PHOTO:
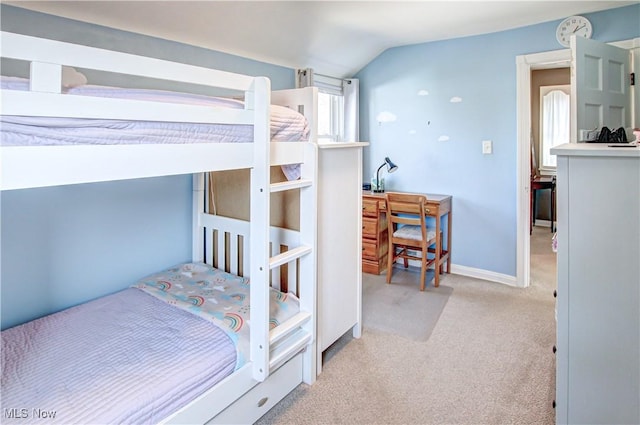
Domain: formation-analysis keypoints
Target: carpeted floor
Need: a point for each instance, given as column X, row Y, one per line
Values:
column 489, row 360
column 400, row 308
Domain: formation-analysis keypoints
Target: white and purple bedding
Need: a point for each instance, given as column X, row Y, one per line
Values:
column 218, row 297
column 286, row 124
column 130, row 357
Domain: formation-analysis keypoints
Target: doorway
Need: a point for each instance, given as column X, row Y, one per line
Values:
column 550, row 126
column 526, row 65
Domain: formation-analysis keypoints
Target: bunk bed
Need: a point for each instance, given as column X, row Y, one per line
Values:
column 277, row 358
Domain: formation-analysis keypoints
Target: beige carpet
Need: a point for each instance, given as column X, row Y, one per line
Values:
column 489, row 360
column 401, row 308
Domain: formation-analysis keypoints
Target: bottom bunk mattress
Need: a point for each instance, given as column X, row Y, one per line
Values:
column 135, row 356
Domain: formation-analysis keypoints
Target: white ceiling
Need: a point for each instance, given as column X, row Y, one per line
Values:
column 336, row 38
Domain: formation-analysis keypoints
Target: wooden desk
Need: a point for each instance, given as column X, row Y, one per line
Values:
column 375, row 243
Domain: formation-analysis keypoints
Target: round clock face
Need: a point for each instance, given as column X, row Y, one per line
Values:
column 578, row 25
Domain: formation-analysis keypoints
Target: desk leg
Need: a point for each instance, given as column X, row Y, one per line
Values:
column 449, row 219
column 438, row 267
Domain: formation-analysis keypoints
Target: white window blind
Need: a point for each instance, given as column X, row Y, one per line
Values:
column 338, row 105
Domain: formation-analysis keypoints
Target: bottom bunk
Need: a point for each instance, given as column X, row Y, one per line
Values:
column 172, row 348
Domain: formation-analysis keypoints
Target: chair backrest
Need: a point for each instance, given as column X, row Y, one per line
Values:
column 406, row 208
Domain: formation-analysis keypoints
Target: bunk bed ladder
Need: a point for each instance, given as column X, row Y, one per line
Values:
column 299, row 331
column 259, row 99
column 270, row 349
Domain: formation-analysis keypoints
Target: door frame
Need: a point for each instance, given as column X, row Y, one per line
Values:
column 524, row 65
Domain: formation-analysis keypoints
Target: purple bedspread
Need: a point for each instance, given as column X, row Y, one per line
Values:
column 124, row 358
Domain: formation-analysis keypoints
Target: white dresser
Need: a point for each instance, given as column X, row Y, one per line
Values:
column 598, row 296
column 339, row 242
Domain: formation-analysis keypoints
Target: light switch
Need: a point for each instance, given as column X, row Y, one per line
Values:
column 487, row 147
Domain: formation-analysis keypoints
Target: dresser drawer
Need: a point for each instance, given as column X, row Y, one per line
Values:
column 374, row 267
column 369, row 249
column 369, row 207
column 369, row 227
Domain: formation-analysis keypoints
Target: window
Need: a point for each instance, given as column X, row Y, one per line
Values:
column 337, row 105
column 554, row 122
column 330, row 117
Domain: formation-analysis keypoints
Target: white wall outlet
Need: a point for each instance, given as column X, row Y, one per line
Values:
column 487, row 147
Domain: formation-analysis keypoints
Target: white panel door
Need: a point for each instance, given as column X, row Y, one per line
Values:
column 600, row 86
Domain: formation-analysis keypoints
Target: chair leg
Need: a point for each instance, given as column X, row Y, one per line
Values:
column 437, row 269
column 441, row 249
column 437, row 265
column 423, row 270
column 390, row 259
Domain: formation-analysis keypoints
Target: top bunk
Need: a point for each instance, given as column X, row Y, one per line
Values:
column 55, row 133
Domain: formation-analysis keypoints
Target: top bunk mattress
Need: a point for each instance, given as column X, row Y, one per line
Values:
column 286, row 124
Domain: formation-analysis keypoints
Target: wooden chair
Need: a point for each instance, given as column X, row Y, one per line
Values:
column 408, row 231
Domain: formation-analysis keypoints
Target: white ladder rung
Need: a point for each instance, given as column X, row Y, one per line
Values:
column 284, row 329
column 285, row 257
column 283, row 352
column 288, row 185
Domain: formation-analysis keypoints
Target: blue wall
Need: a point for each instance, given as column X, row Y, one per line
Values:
column 437, row 143
column 65, row 245
column 68, row 244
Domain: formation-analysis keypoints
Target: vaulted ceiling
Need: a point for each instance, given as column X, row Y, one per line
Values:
column 336, row 38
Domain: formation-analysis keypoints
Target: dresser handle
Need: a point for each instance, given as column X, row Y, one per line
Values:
column 427, row 211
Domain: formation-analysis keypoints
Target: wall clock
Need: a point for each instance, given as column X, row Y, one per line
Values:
column 578, row 25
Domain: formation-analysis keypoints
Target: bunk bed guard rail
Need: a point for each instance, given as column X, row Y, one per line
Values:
column 27, row 168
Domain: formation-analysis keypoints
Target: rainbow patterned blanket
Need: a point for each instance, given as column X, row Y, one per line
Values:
column 219, row 297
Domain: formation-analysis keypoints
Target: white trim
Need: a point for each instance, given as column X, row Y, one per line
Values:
column 542, row 223
column 484, row 275
column 473, row 272
column 627, row 44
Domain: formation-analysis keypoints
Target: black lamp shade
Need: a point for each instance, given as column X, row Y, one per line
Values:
column 391, row 167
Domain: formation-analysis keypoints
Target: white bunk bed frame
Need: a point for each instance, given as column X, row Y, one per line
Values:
column 280, row 359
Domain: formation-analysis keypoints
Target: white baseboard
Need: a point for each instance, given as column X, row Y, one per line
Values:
column 543, row 223
column 484, row 275
column 476, row 273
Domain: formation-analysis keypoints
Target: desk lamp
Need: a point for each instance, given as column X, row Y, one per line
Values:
column 391, row 167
